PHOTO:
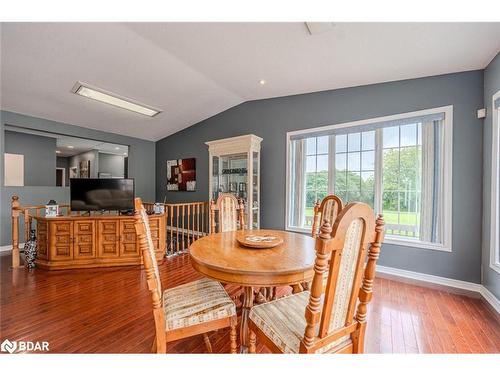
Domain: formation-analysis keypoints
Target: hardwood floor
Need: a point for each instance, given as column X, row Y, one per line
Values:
column 109, row 311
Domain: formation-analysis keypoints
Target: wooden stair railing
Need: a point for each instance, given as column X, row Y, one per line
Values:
column 186, row 222
column 27, row 212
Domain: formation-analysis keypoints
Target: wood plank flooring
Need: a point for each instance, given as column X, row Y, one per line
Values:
column 109, row 311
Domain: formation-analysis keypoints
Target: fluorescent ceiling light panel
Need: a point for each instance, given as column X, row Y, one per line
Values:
column 109, row 98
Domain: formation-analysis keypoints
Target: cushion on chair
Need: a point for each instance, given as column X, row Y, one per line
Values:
column 284, row 323
column 196, row 302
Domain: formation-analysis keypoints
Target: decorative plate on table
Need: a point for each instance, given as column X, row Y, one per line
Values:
column 259, row 241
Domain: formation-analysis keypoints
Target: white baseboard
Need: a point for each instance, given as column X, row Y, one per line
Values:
column 8, row 248
column 458, row 284
column 490, row 298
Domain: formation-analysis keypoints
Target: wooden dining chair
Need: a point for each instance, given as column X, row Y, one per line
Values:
column 230, row 213
column 333, row 321
column 187, row 310
column 327, row 209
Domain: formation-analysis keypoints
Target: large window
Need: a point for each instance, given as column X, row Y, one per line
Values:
column 400, row 165
column 495, row 186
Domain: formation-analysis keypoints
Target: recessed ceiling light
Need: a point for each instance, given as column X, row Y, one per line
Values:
column 58, row 152
column 71, row 146
column 124, row 153
column 117, row 148
column 113, row 99
column 262, row 82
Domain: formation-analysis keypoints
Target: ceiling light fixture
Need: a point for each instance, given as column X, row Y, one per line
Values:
column 262, row 82
column 117, row 148
column 71, row 146
column 107, row 97
column 58, row 152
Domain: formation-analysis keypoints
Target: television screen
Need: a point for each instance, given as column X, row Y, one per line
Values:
column 97, row 194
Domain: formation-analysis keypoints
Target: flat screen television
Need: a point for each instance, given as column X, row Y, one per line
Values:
column 102, row 194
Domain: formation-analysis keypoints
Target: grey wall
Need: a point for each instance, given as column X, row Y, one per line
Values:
column 272, row 118
column 141, row 162
column 113, row 164
column 91, row 155
column 39, row 157
column 491, row 279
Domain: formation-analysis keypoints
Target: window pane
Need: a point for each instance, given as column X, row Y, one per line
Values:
column 322, row 145
column 310, row 199
column 354, row 142
column 341, row 162
column 368, row 198
column 368, row 160
column 390, row 206
column 367, row 181
column 311, row 164
column 391, row 137
column 353, row 161
column 322, row 181
column 408, row 157
column 340, row 182
column 407, row 179
column 311, row 181
column 321, row 195
column 342, row 194
column 390, row 170
column 368, row 140
column 341, row 143
column 409, row 135
column 322, row 163
column 353, row 196
column 353, row 181
column 311, row 146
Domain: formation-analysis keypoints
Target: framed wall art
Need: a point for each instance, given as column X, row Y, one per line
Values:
column 181, row 175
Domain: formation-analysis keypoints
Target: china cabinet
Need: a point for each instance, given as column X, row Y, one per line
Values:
column 234, row 167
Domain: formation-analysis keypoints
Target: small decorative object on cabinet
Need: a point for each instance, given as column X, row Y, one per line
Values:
column 234, row 166
column 159, row 208
column 30, row 250
column 51, row 209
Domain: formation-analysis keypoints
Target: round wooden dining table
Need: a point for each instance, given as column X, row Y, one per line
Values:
column 220, row 257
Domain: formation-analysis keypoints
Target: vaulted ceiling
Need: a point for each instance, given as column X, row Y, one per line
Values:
column 192, row 71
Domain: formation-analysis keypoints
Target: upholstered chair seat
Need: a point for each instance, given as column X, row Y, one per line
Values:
column 197, row 302
column 283, row 322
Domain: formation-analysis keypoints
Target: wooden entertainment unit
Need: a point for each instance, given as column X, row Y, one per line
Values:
column 77, row 241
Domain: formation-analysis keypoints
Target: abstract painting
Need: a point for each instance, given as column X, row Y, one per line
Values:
column 181, row 175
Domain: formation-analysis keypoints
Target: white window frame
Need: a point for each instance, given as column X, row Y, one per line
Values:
column 447, row 177
column 495, row 186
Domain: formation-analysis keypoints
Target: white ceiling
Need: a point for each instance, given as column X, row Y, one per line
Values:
column 195, row 70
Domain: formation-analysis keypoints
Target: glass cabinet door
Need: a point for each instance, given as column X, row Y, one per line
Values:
column 230, row 175
column 255, row 191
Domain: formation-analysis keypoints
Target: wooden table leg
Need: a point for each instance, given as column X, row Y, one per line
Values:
column 248, row 298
